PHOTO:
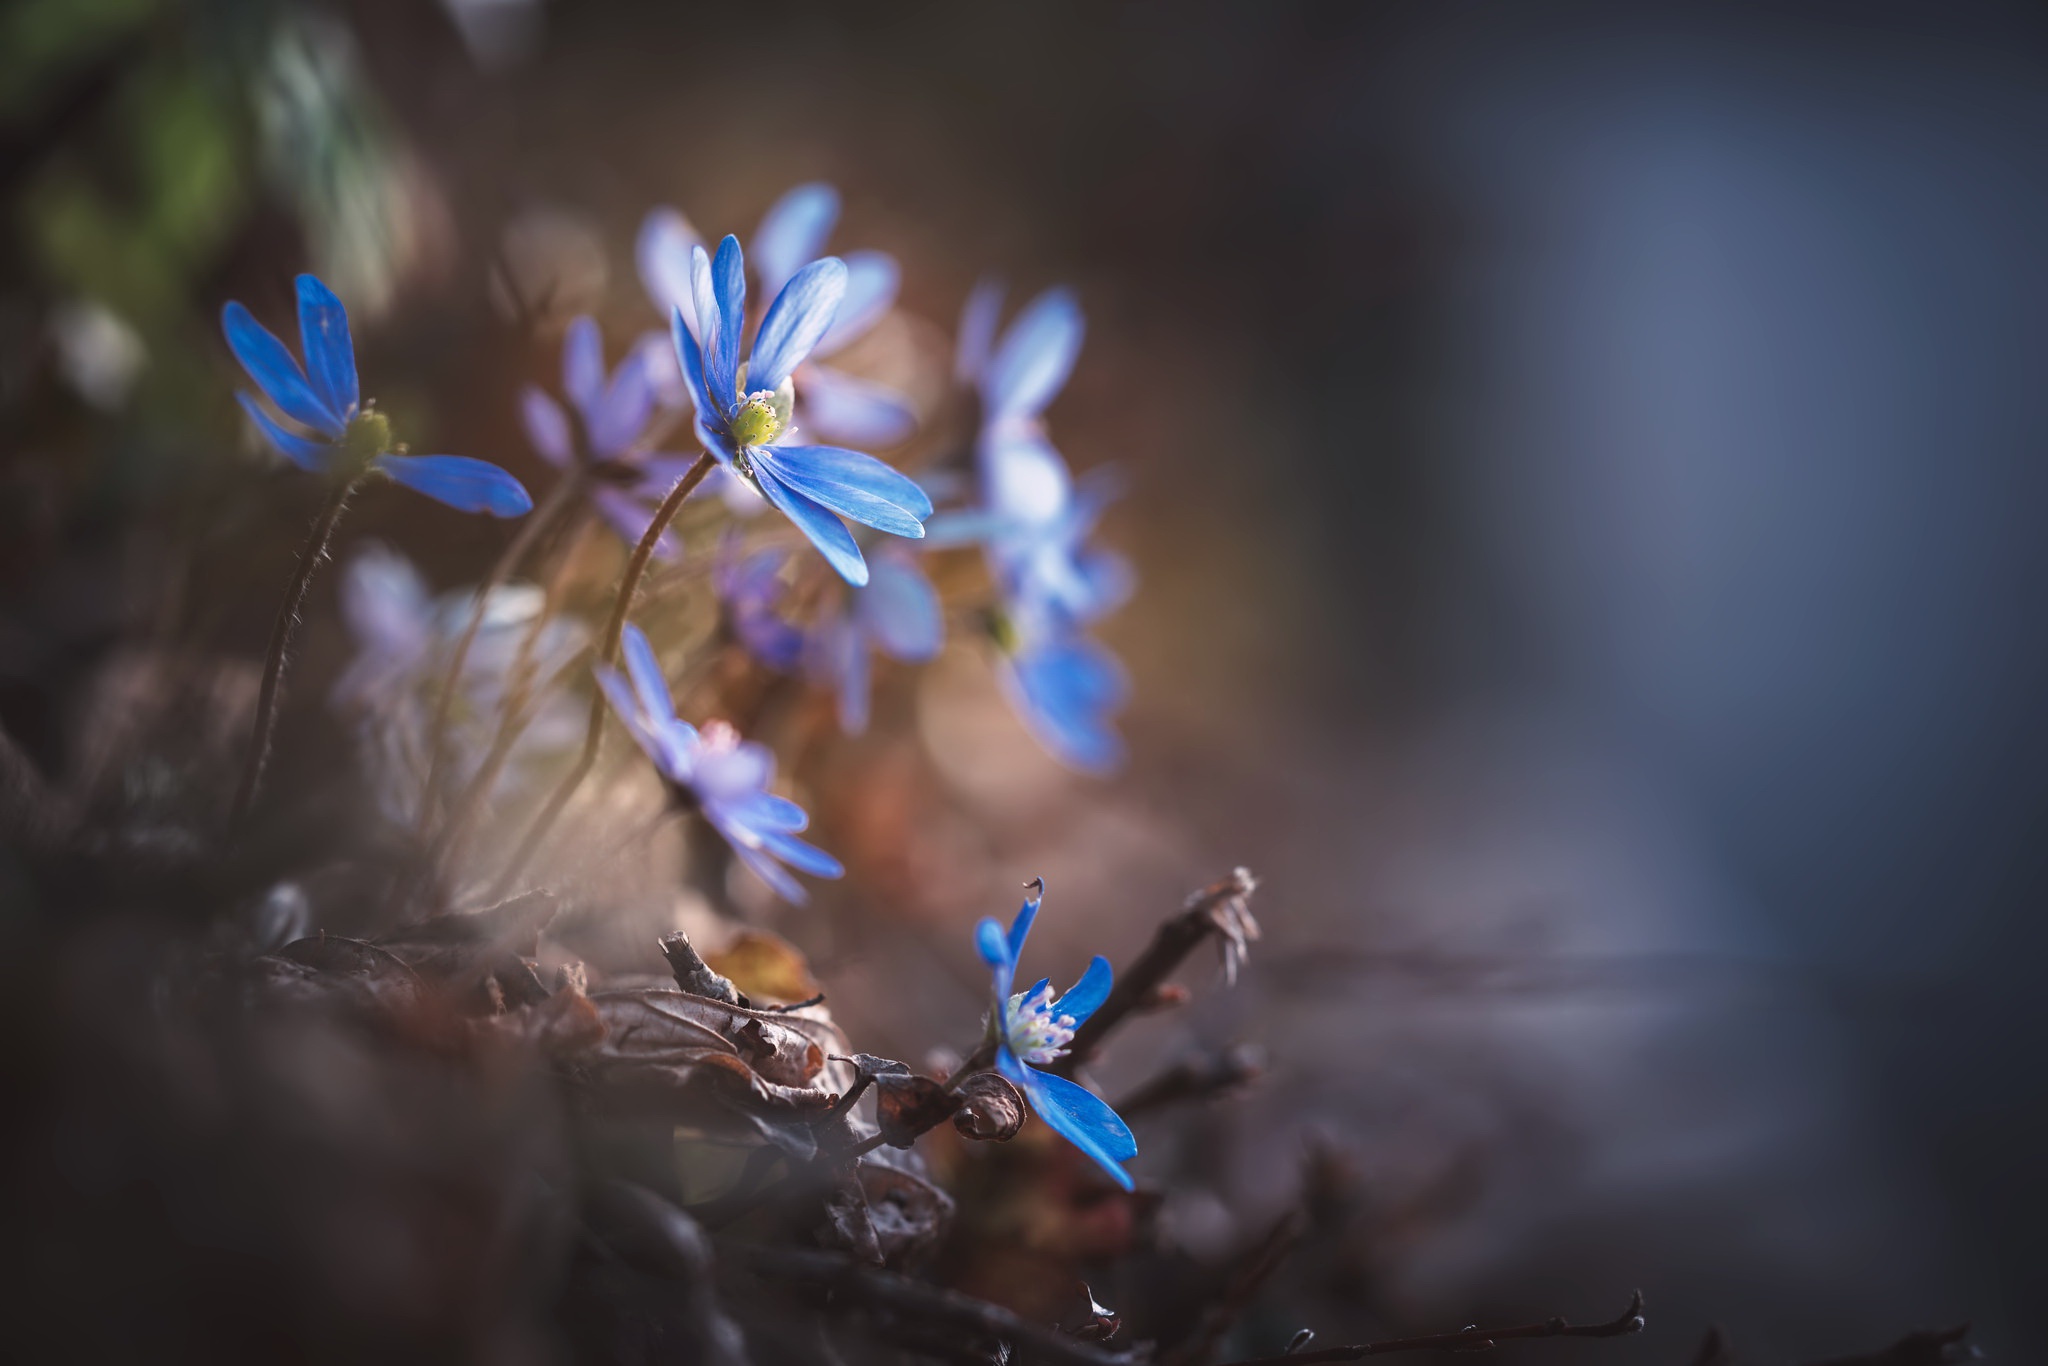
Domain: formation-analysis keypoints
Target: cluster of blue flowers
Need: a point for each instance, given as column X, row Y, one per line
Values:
column 756, row 390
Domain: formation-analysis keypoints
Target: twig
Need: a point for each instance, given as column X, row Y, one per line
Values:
column 1216, row 910
column 281, row 630
column 614, row 631
column 1257, row 1268
column 1469, row 1340
column 920, row 1302
column 1927, row 1347
column 1197, row 1078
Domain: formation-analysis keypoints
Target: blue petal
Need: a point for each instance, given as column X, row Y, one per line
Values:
column 795, row 321
column 1020, row 928
column 1064, row 691
column 792, row 234
column 1078, row 1115
column 801, row 855
column 275, row 372
column 766, row 811
column 1086, row 996
column 626, row 705
column 645, row 671
column 330, row 355
column 720, row 385
column 1035, row 357
column 729, row 289
column 462, row 483
column 547, row 426
column 307, row 455
column 844, row 408
column 663, row 254
column 621, row 412
column 692, row 360
column 977, row 331
column 853, row 470
column 845, row 666
column 583, row 364
column 786, row 464
column 993, row 944
column 900, row 609
column 820, row 527
column 760, row 862
column 872, row 279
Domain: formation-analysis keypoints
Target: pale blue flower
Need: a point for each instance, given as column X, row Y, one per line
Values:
column 349, row 437
column 714, row 770
column 1031, row 1029
column 613, row 415
column 742, row 410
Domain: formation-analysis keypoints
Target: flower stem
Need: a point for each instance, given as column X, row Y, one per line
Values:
column 281, row 631
column 615, row 629
column 530, row 531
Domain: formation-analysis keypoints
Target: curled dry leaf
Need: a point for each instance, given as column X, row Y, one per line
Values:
column 909, row 1214
column 354, row 972
column 460, row 947
column 992, row 1110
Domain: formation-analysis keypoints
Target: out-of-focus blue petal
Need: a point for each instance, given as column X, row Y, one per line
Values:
column 330, row 354
column 1035, row 357
column 801, row 854
column 664, row 370
column 795, row 321
column 729, row 289
column 766, row 811
column 1065, row 691
column 1086, row 996
column 1020, row 928
column 855, row 470
column 710, row 326
column 663, row 254
column 844, row 408
column 762, row 864
column 691, row 359
column 626, row 705
column 1023, row 477
column 820, row 527
column 1078, row 1115
column 994, row 945
column 275, row 372
column 649, row 686
column 977, row 331
column 837, row 655
column 872, row 279
column 900, row 609
column 848, row 500
column 583, row 364
column 462, row 483
column 307, row 455
column 621, row 412
column 547, row 426
column 963, row 526
column 385, row 602
column 791, row 235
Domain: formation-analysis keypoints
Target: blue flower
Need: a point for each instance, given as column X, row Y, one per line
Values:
column 349, row 437
column 840, row 406
column 1030, row 1027
column 1033, row 522
column 613, row 416
column 743, row 409
column 720, row 774
column 896, row 613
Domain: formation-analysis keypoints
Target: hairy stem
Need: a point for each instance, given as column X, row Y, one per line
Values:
column 629, row 583
column 516, row 549
column 281, row 632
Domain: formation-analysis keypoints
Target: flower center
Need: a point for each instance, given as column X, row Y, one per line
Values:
column 1034, row 1033
column 763, row 415
column 718, row 737
column 367, row 437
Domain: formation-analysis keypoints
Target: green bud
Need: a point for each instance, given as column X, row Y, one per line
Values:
column 368, row 436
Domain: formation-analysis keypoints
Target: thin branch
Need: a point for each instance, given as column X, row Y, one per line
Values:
column 1217, row 911
column 1257, row 1268
column 281, row 631
column 922, row 1303
column 1469, row 1340
column 593, row 736
column 1197, row 1078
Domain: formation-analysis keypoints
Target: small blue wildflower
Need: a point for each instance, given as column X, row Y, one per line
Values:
column 896, row 613
column 743, row 409
column 1030, row 1027
column 350, row 436
column 720, row 774
column 751, row 588
column 838, row 405
column 614, row 415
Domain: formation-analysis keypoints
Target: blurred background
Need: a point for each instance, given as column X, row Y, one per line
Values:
column 1585, row 473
